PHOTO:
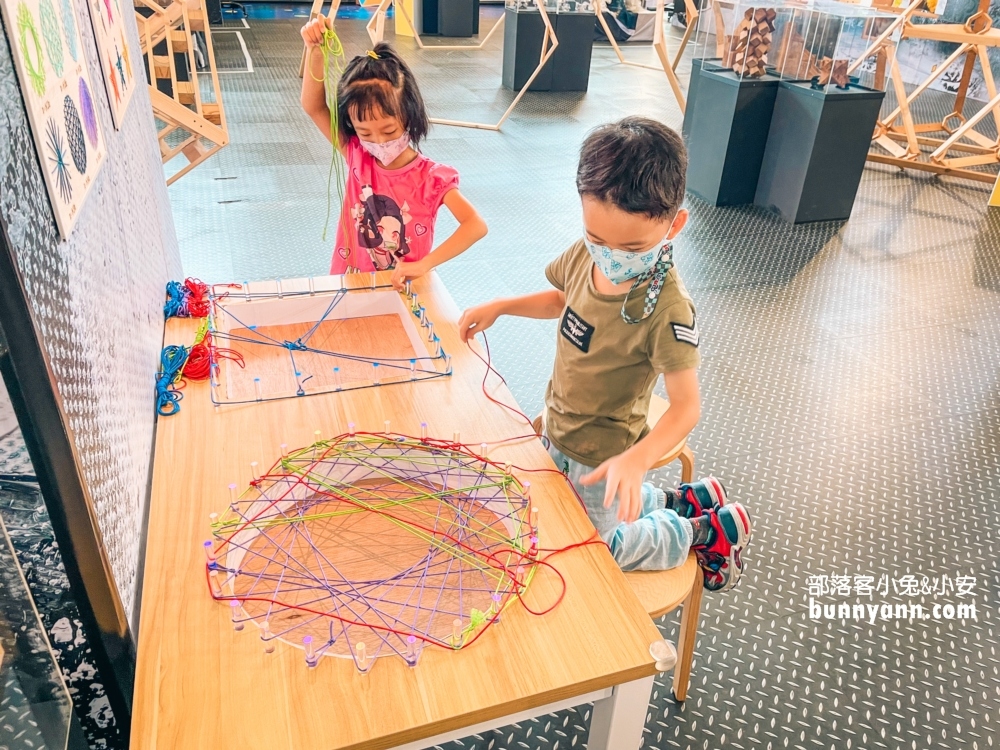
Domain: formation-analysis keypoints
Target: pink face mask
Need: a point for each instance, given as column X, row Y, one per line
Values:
column 389, row 151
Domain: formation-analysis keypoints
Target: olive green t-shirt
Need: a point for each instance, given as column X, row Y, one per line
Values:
column 605, row 368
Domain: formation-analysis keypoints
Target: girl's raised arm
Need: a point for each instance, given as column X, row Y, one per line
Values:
column 313, row 97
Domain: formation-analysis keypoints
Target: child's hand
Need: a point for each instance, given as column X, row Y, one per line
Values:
column 312, row 32
column 477, row 319
column 624, row 474
column 407, row 272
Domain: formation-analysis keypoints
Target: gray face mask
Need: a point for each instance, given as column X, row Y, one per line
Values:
column 389, row 151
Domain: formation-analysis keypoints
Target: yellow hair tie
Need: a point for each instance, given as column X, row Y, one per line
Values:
column 372, row 55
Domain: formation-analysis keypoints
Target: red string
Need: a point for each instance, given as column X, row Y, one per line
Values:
column 197, row 302
column 199, row 361
column 524, row 559
column 489, row 368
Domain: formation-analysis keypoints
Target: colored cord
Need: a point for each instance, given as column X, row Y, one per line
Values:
column 168, row 394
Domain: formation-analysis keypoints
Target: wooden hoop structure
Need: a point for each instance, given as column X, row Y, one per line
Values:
column 952, row 145
column 193, row 128
column 376, row 30
column 659, row 45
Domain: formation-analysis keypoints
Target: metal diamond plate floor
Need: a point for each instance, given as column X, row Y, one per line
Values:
column 850, row 385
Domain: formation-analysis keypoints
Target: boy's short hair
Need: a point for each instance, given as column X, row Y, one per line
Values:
column 636, row 164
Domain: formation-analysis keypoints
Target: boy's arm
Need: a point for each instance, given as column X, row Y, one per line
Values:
column 471, row 229
column 625, row 472
column 547, row 304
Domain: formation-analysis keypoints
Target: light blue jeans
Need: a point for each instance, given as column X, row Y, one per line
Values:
column 658, row 540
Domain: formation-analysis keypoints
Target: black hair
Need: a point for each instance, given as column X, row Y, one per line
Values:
column 636, row 164
column 380, row 84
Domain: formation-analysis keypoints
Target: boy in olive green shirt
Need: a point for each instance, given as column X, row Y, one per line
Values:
column 624, row 319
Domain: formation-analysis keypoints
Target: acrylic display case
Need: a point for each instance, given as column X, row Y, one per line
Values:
column 823, row 118
column 35, row 706
column 791, row 39
column 739, row 35
column 730, row 99
column 821, row 42
column 569, row 68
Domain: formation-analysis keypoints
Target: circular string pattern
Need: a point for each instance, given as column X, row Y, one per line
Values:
column 58, row 160
column 52, row 36
column 87, row 111
column 34, row 62
column 74, row 134
column 69, row 27
column 383, row 541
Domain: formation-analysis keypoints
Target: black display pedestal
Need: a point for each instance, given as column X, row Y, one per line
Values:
column 450, row 17
column 697, row 65
column 816, row 151
column 726, row 125
column 569, row 68
column 213, row 9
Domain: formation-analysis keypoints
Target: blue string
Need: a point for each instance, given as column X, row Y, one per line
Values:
column 176, row 305
column 172, row 360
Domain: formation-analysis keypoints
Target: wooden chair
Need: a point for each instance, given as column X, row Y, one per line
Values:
column 662, row 591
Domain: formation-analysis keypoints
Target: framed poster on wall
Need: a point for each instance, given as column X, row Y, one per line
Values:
column 58, row 94
column 116, row 60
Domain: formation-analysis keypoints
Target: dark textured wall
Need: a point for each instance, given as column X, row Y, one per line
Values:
column 97, row 296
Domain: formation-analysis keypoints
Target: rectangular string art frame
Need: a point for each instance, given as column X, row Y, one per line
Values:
column 283, row 339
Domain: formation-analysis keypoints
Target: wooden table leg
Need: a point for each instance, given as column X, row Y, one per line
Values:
column 618, row 720
column 685, row 641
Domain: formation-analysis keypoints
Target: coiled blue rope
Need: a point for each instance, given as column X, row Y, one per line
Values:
column 176, row 305
column 172, row 360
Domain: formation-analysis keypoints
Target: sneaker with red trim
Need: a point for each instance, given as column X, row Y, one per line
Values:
column 691, row 500
column 721, row 559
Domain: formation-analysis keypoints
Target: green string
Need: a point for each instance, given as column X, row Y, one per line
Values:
column 333, row 66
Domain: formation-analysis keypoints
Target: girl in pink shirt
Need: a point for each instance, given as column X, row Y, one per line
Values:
column 393, row 191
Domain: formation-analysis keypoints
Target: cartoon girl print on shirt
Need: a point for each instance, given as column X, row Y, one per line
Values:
column 381, row 225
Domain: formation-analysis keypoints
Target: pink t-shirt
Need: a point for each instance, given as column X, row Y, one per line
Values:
column 388, row 213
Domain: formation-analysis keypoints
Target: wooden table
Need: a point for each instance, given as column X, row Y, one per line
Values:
column 200, row 684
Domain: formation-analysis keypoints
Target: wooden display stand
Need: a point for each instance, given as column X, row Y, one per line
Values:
column 952, row 145
column 193, row 128
column 659, row 44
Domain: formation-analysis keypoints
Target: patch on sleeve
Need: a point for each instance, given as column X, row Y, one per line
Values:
column 687, row 334
column 576, row 330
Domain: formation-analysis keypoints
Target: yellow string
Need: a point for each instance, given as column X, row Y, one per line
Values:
column 333, row 66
